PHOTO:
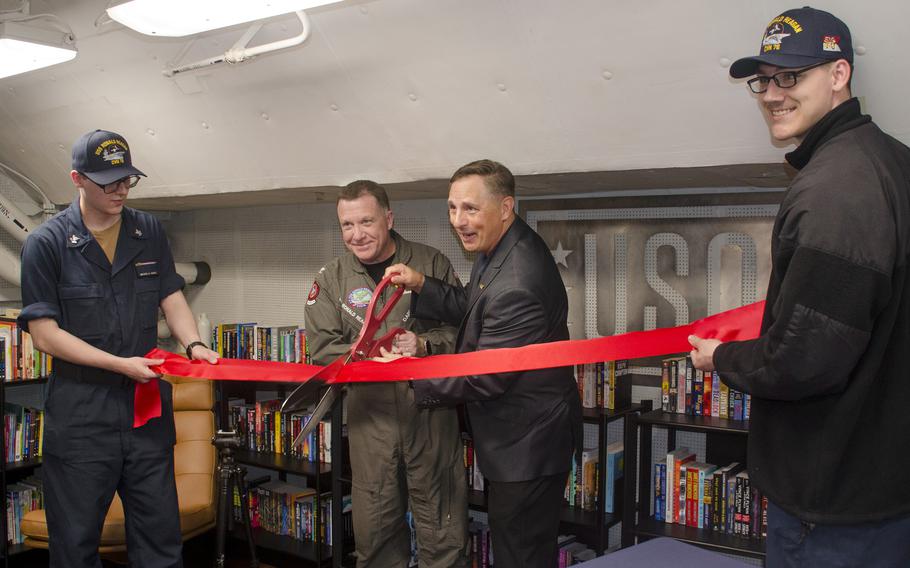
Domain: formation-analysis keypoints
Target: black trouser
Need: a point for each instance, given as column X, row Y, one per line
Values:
column 524, row 521
column 91, row 450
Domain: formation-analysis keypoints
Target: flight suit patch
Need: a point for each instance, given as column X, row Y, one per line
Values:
column 314, row 293
column 360, row 298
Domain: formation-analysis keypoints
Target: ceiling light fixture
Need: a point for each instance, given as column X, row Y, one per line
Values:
column 25, row 47
column 178, row 18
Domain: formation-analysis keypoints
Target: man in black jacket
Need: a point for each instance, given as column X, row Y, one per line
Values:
column 526, row 424
column 828, row 374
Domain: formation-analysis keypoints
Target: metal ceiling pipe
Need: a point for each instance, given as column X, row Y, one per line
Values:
column 14, row 221
column 194, row 272
column 240, row 52
column 46, row 204
column 198, row 273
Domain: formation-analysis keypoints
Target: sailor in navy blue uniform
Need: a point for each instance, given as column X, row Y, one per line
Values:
column 93, row 278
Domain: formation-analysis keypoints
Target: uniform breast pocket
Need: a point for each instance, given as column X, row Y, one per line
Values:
column 147, row 302
column 82, row 309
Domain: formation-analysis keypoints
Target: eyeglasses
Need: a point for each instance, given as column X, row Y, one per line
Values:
column 784, row 79
column 129, row 181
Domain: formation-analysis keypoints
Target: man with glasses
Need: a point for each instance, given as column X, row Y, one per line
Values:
column 93, row 278
column 828, row 374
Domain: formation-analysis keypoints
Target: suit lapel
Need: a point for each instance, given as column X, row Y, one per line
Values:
column 500, row 255
column 473, row 288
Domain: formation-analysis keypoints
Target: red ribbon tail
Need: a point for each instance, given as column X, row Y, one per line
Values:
column 146, row 402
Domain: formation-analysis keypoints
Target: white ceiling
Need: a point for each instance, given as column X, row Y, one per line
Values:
column 407, row 90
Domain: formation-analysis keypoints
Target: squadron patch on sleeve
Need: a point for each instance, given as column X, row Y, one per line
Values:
column 314, row 293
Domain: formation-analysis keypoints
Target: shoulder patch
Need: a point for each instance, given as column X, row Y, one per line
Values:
column 314, row 293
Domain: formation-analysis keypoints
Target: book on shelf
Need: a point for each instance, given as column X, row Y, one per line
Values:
column 722, row 495
column 467, row 447
column 675, row 461
column 715, row 394
column 572, row 551
column 481, row 547
column 582, row 484
column 21, row 497
column 589, row 475
column 23, row 432
column 704, row 496
column 412, row 560
column 478, row 481
column 660, row 491
column 696, row 474
column 573, row 484
column 20, row 359
column 281, row 343
column 750, row 509
column 262, row 427
column 278, row 501
column 613, row 471
column 295, row 511
column 600, row 385
column 473, row 475
column 686, row 390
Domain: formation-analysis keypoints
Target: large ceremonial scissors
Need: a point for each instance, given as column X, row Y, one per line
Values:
column 365, row 347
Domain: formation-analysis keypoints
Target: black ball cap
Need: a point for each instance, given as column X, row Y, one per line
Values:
column 799, row 38
column 103, row 157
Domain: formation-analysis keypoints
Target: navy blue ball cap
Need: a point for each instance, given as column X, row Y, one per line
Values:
column 798, row 38
column 103, row 157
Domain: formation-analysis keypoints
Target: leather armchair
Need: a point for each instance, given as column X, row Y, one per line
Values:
column 194, row 466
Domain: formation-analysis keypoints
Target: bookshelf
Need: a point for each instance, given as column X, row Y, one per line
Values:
column 285, row 343
column 591, row 527
column 20, row 468
column 725, row 443
column 321, row 477
column 275, row 548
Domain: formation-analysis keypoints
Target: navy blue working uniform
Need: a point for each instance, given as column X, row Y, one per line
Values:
column 91, row 449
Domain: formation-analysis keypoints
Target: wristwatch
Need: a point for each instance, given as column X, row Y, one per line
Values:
column 189, row 348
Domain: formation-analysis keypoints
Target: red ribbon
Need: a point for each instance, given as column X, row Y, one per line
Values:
column 733, row 325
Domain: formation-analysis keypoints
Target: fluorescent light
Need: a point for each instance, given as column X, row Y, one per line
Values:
column 176, row 18
column 25, row 47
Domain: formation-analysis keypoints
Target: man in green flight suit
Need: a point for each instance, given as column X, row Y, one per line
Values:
column 398, row 451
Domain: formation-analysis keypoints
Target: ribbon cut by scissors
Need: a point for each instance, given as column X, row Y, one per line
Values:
column 365, row 347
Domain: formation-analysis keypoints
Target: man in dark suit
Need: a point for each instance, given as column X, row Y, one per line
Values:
column 526, row 424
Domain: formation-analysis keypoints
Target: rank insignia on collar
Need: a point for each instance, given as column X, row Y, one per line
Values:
column 74, row 239
column 138, row 233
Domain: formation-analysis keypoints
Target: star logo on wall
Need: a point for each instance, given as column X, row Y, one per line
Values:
column 560, row 254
